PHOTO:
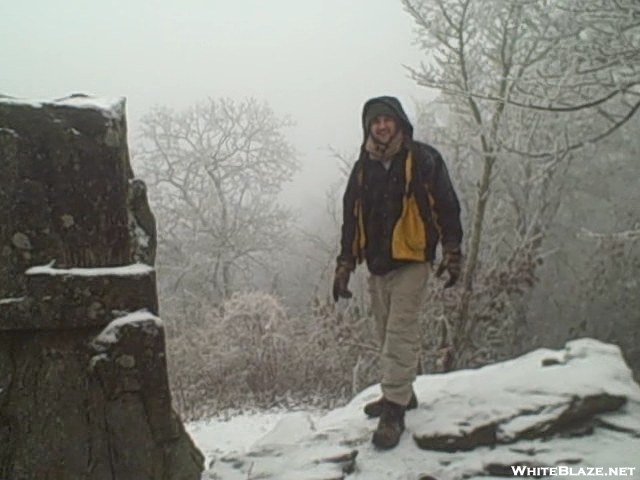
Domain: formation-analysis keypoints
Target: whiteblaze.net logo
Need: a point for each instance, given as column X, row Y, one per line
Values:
column 567, row 471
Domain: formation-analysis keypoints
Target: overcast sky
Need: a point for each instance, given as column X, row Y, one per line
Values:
column 314, row 60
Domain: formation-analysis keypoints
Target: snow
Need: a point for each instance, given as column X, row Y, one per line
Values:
column 111, row 332
column 134, row 269
column 10, row 300
column 304, row 445
column 9, row 131
column 524, row 385
column 113, row 108
column 141, row 235
column 101, row 357
column 235, row 434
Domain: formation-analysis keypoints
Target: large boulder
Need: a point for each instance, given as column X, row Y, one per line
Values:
column 83, row 376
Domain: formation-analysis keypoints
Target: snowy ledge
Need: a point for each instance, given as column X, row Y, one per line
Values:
column 113, row 108
column 514, row 399
column 111, row 332
column 11, row 300
column 134, row 269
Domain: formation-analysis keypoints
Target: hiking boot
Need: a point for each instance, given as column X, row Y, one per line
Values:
column 374, row 409
column 390, row 425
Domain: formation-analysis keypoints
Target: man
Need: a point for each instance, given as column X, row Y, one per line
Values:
column 398, row 204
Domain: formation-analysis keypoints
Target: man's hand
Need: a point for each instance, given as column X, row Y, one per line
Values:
column 341, row 282
column 452, row 263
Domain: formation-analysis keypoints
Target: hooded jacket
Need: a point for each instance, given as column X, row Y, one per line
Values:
column 395, row 216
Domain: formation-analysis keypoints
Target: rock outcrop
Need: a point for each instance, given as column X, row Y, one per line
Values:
column 84, row 392
column 575, row 407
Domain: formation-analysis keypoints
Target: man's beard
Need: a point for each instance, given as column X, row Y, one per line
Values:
column 384, row 150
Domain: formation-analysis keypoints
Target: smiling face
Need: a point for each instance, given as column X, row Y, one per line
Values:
column 383, row 128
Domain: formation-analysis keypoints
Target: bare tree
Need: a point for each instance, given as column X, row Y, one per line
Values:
column 529, row 82
column 215, row 171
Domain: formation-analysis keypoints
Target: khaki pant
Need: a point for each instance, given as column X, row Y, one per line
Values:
column 396, row 299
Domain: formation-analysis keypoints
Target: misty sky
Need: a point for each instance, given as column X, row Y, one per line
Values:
column 314, row 60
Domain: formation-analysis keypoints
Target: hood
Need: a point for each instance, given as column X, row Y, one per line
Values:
column 396, row 106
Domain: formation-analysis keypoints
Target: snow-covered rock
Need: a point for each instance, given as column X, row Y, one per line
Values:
column 574, row 407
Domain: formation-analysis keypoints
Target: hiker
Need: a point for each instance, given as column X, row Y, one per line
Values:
column 399, row 202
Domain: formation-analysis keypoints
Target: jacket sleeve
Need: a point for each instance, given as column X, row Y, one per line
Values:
column 348, row 231
column 444, row 202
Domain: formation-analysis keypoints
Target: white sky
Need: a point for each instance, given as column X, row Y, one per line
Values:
column 314, row 60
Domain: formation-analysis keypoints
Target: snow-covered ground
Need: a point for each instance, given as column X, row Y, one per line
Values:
column 236, row 433
column 532, row 391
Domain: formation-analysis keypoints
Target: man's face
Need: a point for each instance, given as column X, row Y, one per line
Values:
column 383, row 128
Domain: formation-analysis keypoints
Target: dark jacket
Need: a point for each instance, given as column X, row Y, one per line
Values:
column 392, row 217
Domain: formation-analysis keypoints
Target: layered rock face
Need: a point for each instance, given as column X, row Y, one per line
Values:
column 84, row 392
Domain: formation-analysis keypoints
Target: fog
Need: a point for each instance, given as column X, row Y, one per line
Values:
column 315, row 61
column 538, row 129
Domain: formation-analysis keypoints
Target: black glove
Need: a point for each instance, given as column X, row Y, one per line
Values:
column 452, row 263
column 341, row 281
